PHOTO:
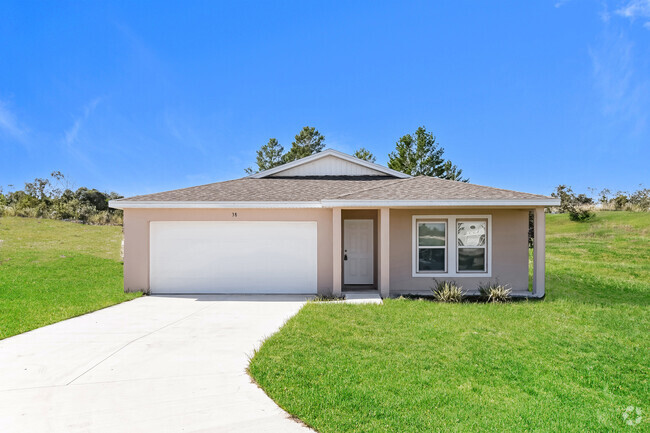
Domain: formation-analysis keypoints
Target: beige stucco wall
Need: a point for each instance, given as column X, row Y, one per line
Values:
column 509, row 242
column 136, row 236
column 509, row 249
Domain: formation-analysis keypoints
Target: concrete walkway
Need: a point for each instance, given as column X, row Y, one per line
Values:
column 155, row 364
column 362, row 297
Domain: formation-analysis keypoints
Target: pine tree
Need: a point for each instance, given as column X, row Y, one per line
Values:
column 308, row 142
column 269, row 156
column 365, row 154
column 420, row 155
column 452, row 172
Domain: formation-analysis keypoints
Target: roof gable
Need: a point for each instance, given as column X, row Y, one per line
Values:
column 329, row 163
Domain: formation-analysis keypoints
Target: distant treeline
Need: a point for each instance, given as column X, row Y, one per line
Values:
column 580, row 207
column 55, row 198
column 638, row 200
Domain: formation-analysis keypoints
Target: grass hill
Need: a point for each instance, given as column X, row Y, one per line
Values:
column 53, row 270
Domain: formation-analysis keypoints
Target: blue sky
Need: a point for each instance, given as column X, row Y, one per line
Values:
column 138, row 97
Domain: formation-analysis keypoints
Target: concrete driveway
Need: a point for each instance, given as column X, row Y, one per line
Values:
column 155, row 364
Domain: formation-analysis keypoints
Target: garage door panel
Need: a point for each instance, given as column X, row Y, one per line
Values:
column 233, row 257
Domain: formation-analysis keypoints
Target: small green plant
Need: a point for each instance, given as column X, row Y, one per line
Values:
column 494, row 292
column 448, row 291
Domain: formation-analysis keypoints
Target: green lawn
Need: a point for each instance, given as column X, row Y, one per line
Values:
column 53, row 270
column 571, row 363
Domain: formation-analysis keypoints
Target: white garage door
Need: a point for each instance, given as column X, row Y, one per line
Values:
column 233, row 257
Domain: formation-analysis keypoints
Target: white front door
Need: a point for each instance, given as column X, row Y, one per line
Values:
column 358, row 252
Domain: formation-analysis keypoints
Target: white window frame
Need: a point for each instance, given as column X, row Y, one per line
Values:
column 484, row 247
column 431, row 247
column 451, row 259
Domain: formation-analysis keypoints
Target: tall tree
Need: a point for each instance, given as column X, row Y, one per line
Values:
column 38, row 188
column 269, row 156
column 365, row 154
column 452, row 172
column 420, row 155
column 308, row 142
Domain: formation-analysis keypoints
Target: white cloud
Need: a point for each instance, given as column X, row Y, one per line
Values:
column 623, row 93
column 604, row 15
column 71, row 134
column 9, row 124
column 636, row 9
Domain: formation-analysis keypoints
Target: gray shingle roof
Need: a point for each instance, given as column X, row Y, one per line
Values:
column 432, row 188
column 316, row 188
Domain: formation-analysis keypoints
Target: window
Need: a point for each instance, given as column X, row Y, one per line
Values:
column 451, row 246
column 432, row 246
column 471, row 239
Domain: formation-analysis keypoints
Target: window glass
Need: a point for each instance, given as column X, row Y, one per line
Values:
column 471, row 234
column 471, row 246
column 468, row 253
column 431, row 234
column 431, row 259
column 432, row 246
column 471, row 259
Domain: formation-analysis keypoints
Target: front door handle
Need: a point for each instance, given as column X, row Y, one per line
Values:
column 345, row 256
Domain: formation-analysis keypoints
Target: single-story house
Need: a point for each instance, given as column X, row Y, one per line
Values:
column 327, row 224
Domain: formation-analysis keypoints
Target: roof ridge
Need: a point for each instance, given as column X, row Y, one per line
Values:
column 371, row 188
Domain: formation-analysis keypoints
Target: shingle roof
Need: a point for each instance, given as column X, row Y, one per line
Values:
column 433, row 188
column 316, row 188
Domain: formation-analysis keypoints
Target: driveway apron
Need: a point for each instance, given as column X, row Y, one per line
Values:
column 154, row 364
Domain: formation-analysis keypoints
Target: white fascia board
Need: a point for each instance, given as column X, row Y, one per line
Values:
column 128, row 204
column 440, row 203
column 329, row 152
